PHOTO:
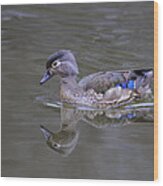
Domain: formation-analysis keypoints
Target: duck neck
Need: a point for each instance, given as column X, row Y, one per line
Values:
column 69, row 88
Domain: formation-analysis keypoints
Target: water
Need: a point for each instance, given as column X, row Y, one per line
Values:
column 110, row 36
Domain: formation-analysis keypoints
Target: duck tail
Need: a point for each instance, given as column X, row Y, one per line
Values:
column 144, row 81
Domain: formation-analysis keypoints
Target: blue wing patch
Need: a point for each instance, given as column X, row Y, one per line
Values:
column 130, row 85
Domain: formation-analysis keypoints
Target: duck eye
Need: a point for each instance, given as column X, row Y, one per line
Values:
column 56, row 145
column 55, row 64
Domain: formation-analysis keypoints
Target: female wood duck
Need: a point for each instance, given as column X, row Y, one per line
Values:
column 99, row 90
column 65, row 140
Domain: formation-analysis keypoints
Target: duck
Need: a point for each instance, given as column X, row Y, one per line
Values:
column 101, row 90
column 65, row 139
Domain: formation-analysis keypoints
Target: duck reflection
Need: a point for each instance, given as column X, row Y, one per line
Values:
column 66, row 138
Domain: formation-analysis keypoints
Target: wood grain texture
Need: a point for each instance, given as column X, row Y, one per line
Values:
column 155, row 90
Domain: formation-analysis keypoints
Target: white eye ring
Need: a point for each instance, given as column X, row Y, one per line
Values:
column 56, row 145
column 55, row 64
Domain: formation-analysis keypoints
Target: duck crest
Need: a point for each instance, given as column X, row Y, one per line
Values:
column 101, row 89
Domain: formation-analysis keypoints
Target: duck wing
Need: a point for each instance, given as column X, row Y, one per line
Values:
column 101, row 81
column 139, row 79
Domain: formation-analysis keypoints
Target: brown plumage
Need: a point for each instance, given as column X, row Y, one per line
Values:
column 101, row 89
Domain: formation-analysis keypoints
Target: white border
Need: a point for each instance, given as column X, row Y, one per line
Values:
column 67, row 182
column 59, row 1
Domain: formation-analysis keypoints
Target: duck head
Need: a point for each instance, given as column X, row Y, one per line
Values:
column 62, row 63
column 63, row 141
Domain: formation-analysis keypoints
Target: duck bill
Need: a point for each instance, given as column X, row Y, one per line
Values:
column 46, row 133
column 45, row 77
